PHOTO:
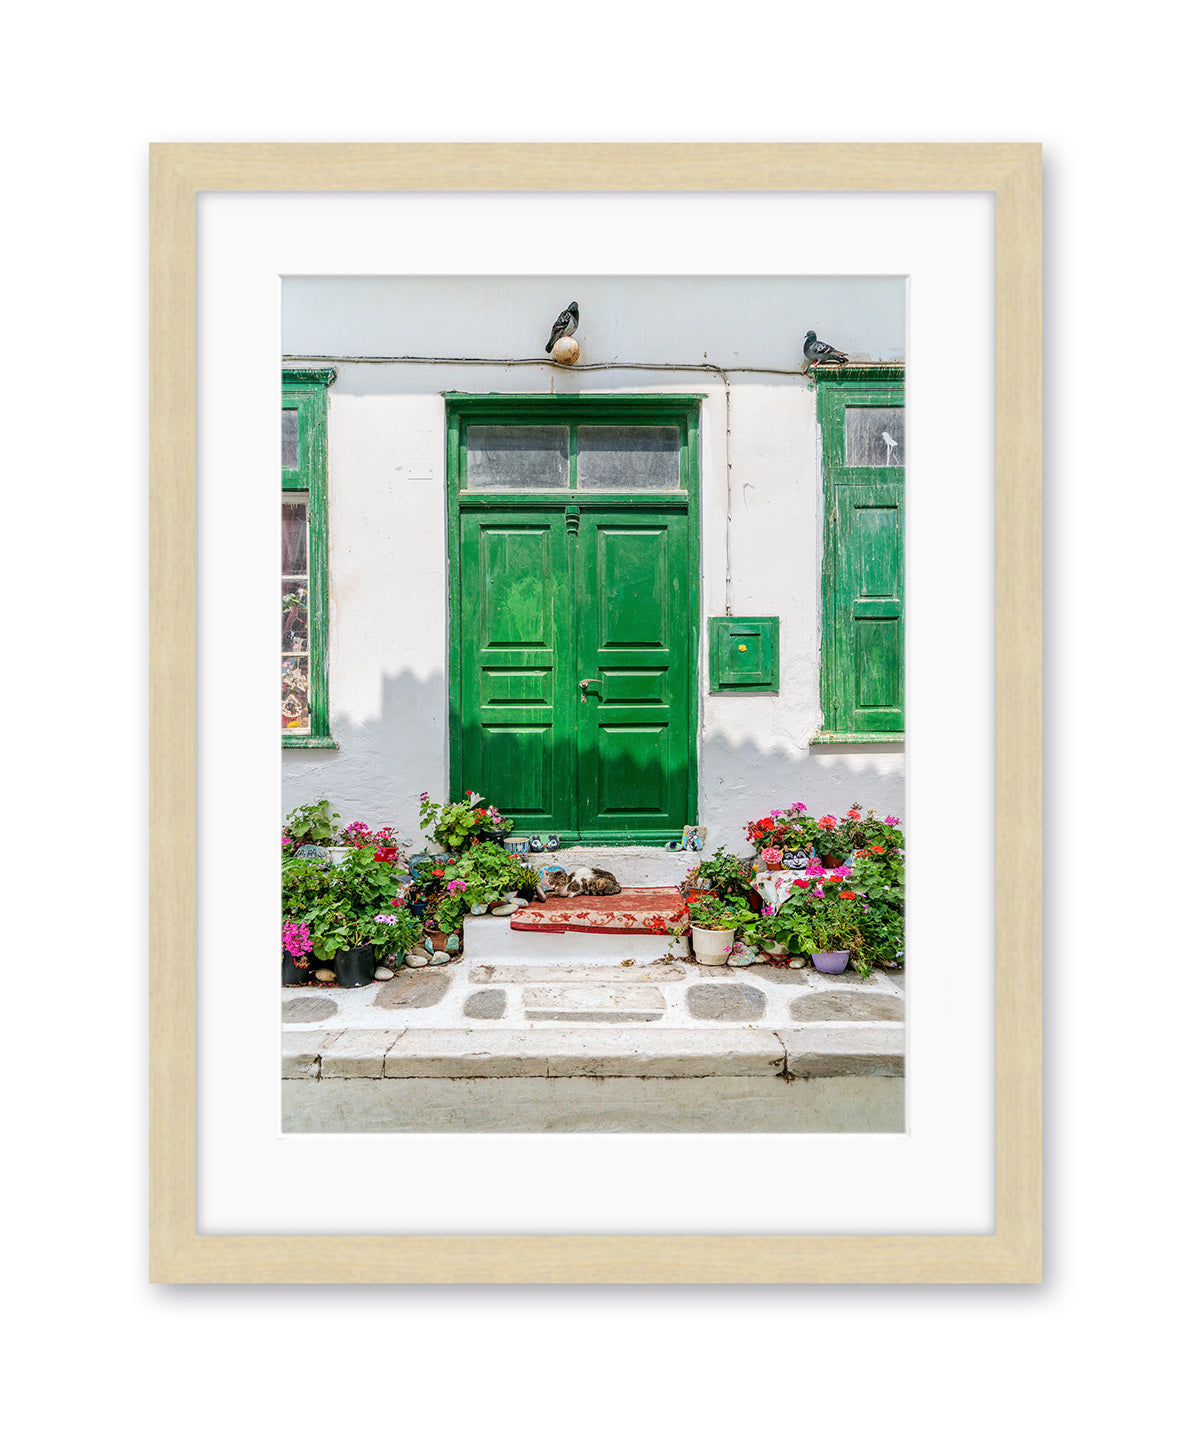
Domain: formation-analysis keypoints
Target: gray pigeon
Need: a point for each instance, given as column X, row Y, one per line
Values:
column 816, row 351
column 566, row 324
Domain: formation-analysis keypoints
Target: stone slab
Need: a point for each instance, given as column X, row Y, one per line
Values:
column 357, row 1054
column 604, row 1002
column 414, row 990
column 727, row 1002
column 827, row 1006
column 302, row 1052
column 485, row 1005
column 307, row 1009
column 645, row 974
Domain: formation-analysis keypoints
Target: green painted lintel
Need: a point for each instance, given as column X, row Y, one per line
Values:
column 324, row 375
column 309, row 742
column 856, row 374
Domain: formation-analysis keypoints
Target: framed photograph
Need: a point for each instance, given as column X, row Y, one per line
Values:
column 356, row 269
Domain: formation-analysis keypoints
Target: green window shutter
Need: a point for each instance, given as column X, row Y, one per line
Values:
column 305, row 467
column 861, row 412
column 867, row 610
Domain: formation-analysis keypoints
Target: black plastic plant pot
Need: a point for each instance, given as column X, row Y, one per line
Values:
column 355, row 967
column 293, row 974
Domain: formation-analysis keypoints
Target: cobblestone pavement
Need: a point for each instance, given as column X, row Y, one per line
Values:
column 675, row 995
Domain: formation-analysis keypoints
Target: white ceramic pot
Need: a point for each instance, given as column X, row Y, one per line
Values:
column 712, row 947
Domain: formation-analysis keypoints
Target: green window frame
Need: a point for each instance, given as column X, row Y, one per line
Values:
column 304, row 395
column 862, row 570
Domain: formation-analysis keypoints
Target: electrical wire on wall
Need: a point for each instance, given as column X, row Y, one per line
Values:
column 723, row 371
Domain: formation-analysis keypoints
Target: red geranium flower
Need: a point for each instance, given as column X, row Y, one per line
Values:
column 853, row 814
column 826, row 822
column 878, row 849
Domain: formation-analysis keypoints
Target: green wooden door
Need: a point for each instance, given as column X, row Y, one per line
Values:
column 869, row 601
column 552, row 598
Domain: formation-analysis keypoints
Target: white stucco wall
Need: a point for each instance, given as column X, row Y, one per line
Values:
column 387, row 510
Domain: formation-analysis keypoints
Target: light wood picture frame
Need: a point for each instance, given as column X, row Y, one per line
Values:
column 1012, row 1253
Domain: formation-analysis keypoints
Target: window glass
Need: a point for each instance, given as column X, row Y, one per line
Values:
column 296, row 695
column 295, row 535
column 628, row 457
column 517, row 457
column 874, row 435
column 291, row 439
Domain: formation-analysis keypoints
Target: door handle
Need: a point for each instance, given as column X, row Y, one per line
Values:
column 583, row 684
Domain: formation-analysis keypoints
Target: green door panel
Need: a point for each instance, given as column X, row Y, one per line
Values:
column 869, row 599
column 633, row 723
column 515, row 631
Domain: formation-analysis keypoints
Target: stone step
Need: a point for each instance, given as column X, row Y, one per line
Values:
column 491, row 940
column 635, row 866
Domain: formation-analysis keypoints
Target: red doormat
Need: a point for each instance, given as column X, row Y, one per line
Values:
column 639, row 912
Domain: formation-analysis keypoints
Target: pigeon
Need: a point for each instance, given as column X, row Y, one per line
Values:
column 566, row 324
column 816, row 351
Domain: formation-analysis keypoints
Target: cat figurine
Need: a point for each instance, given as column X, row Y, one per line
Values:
column 557, row 882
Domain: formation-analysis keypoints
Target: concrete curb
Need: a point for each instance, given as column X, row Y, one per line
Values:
column 807, row 1052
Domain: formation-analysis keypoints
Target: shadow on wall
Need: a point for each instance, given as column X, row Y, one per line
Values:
column 383, row 765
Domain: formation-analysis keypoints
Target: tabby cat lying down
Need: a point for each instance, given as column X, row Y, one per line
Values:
column 585, row 881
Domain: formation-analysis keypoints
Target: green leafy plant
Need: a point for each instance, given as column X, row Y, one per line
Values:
column 461, row 823
column 487, row 871
column 723, row 874
column 364, row 885
column 313, row 824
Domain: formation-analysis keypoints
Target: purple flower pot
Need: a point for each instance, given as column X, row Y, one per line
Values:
column 831, row 962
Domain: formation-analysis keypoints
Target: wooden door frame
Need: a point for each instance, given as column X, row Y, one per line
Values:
column 544, row 409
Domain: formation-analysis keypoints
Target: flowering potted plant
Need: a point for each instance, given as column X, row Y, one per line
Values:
column 461, row 823
column 393, row 933
column 715, row 924
column 789, row 829
column 823, row 917
column 296, row 945
column 444, row 913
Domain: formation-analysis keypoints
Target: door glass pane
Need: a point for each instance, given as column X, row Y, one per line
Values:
column 295, row 536
column 874, row 435
column 517, row 457
column 629, row 457
column 291, row 439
